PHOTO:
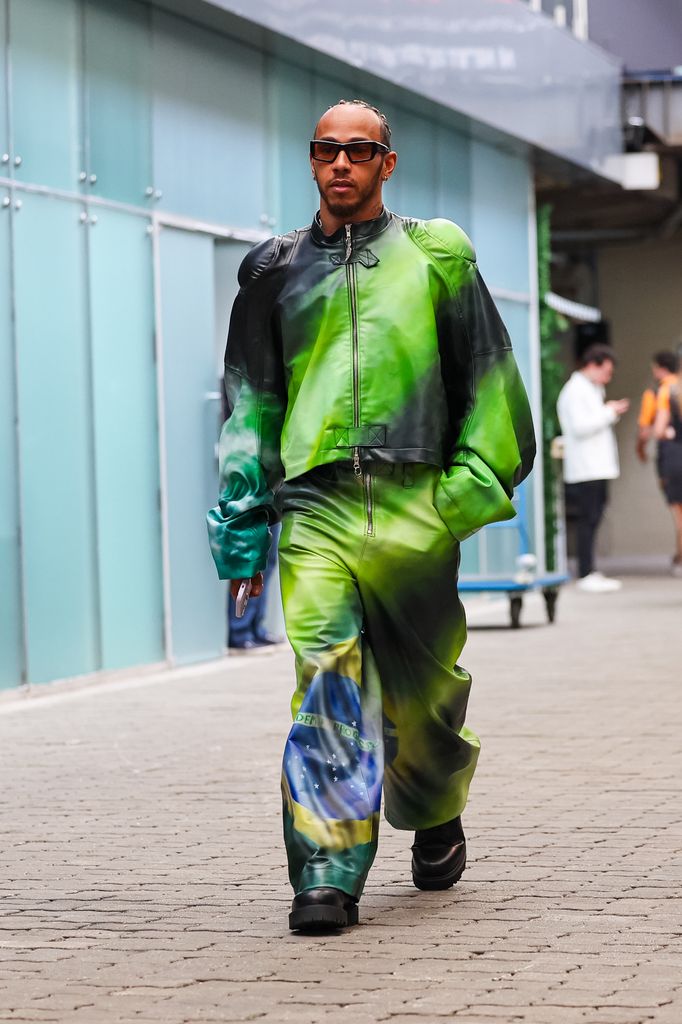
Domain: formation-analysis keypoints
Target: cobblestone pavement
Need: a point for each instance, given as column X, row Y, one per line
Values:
column 143, row 874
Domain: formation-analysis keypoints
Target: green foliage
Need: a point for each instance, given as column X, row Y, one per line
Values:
column 552, row 376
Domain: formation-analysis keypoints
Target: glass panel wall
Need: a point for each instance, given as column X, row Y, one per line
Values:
column 516, row 316
column 45, row 43
column 291, row 123
column 500, row 195
column 190, row 380
column 11, row 666
column 500, row 218
column 4, row 128
column 126, row 454
column 209, row 125
column 453, row 176
column 470, row 563
column 55, row 439
column 413, row 188
column 118, row 54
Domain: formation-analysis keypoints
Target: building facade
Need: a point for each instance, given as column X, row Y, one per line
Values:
column 143, row 149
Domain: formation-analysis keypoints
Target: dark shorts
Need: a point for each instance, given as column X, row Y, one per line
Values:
column 669, row 465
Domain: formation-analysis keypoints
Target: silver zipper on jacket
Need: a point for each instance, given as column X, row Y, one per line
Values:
column 370, row 504
column 350, row 276
column 364, row 479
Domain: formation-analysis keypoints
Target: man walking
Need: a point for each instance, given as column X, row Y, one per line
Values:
column 376, row 407
column 590, row 454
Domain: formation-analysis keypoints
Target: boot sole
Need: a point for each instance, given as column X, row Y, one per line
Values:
column 312, row 919
column 434, row 884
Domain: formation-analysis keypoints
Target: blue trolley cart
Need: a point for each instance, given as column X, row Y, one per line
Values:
column 508, row 558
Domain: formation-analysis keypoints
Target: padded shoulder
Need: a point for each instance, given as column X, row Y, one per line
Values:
column 443, row 237
column 266, row 255
column 257, row 260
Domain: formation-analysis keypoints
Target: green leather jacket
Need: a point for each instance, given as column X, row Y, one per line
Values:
column 378, row 343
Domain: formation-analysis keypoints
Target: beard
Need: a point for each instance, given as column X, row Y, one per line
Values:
column 347, row 206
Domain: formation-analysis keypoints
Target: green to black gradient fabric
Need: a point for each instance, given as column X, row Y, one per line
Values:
column 376, row 406
column 368, row 574
column 380, row 344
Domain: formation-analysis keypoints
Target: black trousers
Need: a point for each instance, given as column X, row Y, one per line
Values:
column 589, row 499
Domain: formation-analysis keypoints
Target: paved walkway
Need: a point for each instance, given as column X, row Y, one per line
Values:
column 143, row 876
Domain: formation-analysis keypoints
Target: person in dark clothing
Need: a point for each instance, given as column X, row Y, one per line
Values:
column 668, row 431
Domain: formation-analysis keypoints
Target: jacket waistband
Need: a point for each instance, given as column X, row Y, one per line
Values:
column 400, row 471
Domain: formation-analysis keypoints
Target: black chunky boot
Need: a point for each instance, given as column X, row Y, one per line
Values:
column 439, row 855
column 322, row 909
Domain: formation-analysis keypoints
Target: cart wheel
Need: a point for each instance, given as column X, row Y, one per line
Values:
column 551, row 596
column 515, row 606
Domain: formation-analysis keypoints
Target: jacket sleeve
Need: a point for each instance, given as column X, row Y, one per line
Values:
column 249, row 451
column 491, row 447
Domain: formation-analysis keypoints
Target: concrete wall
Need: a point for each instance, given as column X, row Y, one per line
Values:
column 639, row 293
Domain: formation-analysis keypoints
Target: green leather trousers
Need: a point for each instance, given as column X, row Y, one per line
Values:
column 369, row 584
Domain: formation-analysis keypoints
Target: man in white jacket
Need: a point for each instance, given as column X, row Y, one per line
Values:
column 590, row 453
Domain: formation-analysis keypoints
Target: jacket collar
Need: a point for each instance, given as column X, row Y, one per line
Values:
column 360, row 232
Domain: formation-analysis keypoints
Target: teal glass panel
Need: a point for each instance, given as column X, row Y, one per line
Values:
column 502, row 544
column 10, row 568
column 292, row 120
column 55, row 439
column 228, row 256
column 118, row 99
column 126, row 444
column 453, row 177
column 413, row 187
column 469, row 564
column 45, row 46
column 500, row 190
column 191, row 415
column 209, row 125
column 516, row 316
column 326, row 92
column 4, row 130
column 528, row 527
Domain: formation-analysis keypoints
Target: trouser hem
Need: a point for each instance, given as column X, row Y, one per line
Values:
column 333, row 878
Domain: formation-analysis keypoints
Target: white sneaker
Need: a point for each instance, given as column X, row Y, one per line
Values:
column 597, row 583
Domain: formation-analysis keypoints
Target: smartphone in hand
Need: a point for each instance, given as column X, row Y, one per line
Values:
column 243, row 595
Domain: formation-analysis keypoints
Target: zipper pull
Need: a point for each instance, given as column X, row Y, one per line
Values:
column 357, row 468
column 349, row 243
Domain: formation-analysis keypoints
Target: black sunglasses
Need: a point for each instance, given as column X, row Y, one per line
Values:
column 357, row 152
